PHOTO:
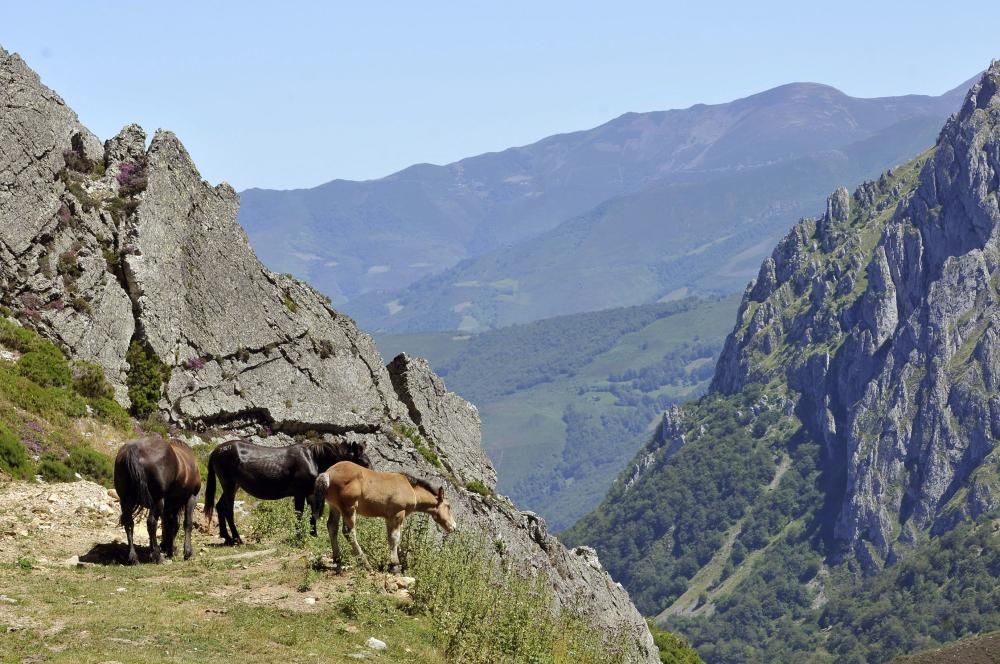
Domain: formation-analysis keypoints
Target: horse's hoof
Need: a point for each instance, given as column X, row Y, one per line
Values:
column 132, row 560
column 395, row 569
column 188, row 554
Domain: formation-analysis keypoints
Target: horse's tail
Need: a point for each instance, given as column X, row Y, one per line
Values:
column 320, row 490
column 210, row 489
column 134, row 493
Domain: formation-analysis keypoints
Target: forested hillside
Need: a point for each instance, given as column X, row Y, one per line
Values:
column 567, row 401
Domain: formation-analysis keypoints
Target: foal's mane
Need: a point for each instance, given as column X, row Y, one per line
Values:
column 416, row 481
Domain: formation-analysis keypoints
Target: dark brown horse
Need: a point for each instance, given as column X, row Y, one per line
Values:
column 352, row 490
column 271, row 473
column 162, row 476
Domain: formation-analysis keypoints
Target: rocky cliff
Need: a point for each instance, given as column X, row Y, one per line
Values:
column 123, row 255
column 881, row 317
column 849, row 435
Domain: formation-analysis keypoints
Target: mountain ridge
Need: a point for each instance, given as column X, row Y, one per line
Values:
column 353, row 238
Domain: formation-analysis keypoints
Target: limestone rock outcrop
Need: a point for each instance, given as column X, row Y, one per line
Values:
column 107, row 247
column 882, row 319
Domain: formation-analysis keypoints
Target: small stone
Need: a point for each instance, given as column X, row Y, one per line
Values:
column 405, row 582
column 350, row 629
column 375, row 644
column 53, row 498
column 310, row 600
column 72, row 561
column 121, row 590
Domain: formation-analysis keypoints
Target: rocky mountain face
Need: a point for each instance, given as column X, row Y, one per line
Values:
column 850, row 428
column 535, row 231
column 884, row 322
column 125, row 257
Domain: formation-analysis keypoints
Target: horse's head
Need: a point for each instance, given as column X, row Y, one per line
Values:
column 326, row 454
column 356, row 453
column 441, row 513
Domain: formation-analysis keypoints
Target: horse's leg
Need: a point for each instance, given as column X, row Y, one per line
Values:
column 332, row 526
column 315, row 512
column 192, row 503
column 231, row 515
column 170, row 528
column 154, row 516
column 394, row 530
column 129, row 524
column 220, row 509
column 300, row 508
column 352, row 535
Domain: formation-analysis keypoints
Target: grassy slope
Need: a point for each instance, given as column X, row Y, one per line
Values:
column 196, row 611
column 524, row 429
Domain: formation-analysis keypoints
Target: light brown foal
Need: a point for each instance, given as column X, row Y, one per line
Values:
column 351, row 490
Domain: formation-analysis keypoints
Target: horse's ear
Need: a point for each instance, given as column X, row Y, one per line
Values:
column 440, row 493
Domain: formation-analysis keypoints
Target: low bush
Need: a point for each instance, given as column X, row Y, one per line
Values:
column 110, row 411
column 89, row 381
column 91, row 464
column 13, row 458
column 146, row 376
column 54, row 469
column 485, row 611
column 47, row 368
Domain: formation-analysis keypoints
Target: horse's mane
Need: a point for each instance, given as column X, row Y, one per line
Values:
column 416, row 481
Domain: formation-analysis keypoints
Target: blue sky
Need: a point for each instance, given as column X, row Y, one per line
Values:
column 297, row 94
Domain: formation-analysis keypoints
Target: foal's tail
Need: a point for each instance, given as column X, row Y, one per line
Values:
column 210, row 490
column 320, row 490
column 134, row 493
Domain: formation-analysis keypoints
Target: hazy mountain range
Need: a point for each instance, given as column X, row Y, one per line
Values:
column 552, row 227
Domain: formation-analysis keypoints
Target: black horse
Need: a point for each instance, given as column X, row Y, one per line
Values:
column 271, row 473
column 162, row 476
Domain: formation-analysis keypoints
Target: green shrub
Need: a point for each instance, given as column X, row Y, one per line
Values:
column 44, row 401
column 478, row 487
column 110, row 411
column 146, row 376
column 91, row 464
column 13, row 458
column 485, row 611
column 16, row 337
column 53, row 469
column 292, row 305
column 274, row 520
column 89, row 381
column 45, row 366
column 673, row 649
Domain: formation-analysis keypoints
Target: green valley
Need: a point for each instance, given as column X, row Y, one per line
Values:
column 567, row 401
